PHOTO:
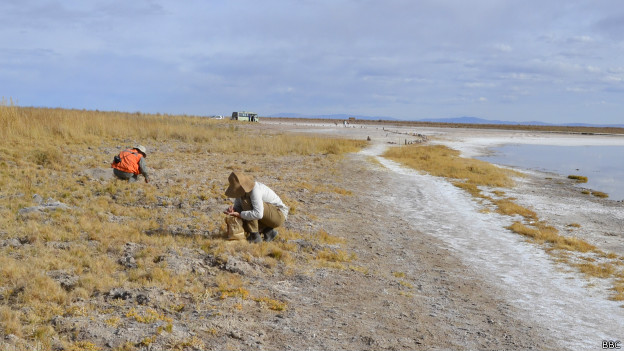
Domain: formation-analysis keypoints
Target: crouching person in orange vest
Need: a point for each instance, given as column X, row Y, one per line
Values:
column 130, row 163
column 257, row 205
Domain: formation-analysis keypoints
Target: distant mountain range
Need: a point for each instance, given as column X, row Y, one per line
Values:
column 476, row 120
column 333, row 116
column 458, row 120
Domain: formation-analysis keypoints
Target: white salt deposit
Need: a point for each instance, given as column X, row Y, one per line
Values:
column 576, row 316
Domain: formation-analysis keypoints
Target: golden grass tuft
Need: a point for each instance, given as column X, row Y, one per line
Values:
column 325, row 238
column 272, row 304
column 441, row 161
column 510, row 208
column 578, row 178
column 599, row 194
column 335, row 255
column 618, row 288
column 601, row 270
column 471, row 188
column 10, row 321
column 545, row 233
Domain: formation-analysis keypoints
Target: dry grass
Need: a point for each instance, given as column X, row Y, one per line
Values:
column 619, row 290
column 602, row 270
column 334, row 258
column 44, row 152
column 510, row 208
column 599, row 194
column 272, row 304
column 578, row 178
column 441, row 161
column 325, row 238
column 544, row 233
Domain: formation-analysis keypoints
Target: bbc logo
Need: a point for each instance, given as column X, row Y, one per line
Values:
column 611, row 345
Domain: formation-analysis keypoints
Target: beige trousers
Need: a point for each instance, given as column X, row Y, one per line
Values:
column 271, row 218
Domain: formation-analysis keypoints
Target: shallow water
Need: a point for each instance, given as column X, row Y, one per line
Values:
column 577, row 317
column 602, row 165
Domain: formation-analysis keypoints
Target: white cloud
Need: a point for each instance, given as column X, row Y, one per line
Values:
column 393, row 57
column 503, row 47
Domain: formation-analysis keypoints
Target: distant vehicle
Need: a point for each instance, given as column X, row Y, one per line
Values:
column 217, row 117
column 245, row 116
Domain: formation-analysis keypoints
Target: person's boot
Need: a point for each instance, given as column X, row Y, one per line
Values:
column 254, row 237
column 270, row 235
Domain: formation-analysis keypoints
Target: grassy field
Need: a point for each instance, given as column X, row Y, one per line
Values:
column 50, row 154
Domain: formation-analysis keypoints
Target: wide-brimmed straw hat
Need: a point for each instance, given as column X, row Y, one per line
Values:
column 142, row 149
column 239, row 184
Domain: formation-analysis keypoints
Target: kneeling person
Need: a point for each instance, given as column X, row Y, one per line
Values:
column 257, row 205
column 130, row 163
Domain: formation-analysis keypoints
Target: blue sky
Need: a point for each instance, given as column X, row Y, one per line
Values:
column 553, row 61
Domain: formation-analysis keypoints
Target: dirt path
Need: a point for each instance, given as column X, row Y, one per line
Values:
column 405, row 291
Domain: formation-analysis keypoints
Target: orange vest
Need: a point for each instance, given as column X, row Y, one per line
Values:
column 129, row 161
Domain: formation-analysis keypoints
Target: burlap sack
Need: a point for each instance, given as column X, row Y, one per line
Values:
column 235, row 229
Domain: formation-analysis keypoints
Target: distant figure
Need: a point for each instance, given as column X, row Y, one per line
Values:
column 130, row 163
column 345, row 123
column 257, row 205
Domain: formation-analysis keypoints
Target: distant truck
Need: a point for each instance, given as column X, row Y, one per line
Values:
column 245, row 116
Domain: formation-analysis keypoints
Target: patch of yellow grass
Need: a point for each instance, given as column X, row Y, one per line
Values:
column 510, row 208
column 578, row 178
column 324, row 237
column 360, row 269
column 546, row 233
column 498, row 193
column 10, row 321
column 471, row 188
column 441, row 161
column 84, row 346
column 335, row 255
column 272, row 304
column 601, row 270
column 324, row 188
column 599, row 194
column 619, row 290
column 406, row 284
column 148, row 316
column 229, row 282
column 398, row 274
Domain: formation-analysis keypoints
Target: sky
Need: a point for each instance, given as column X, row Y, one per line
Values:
column 553, row 61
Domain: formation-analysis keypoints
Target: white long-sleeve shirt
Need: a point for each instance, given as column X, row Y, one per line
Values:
column 259, row 195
